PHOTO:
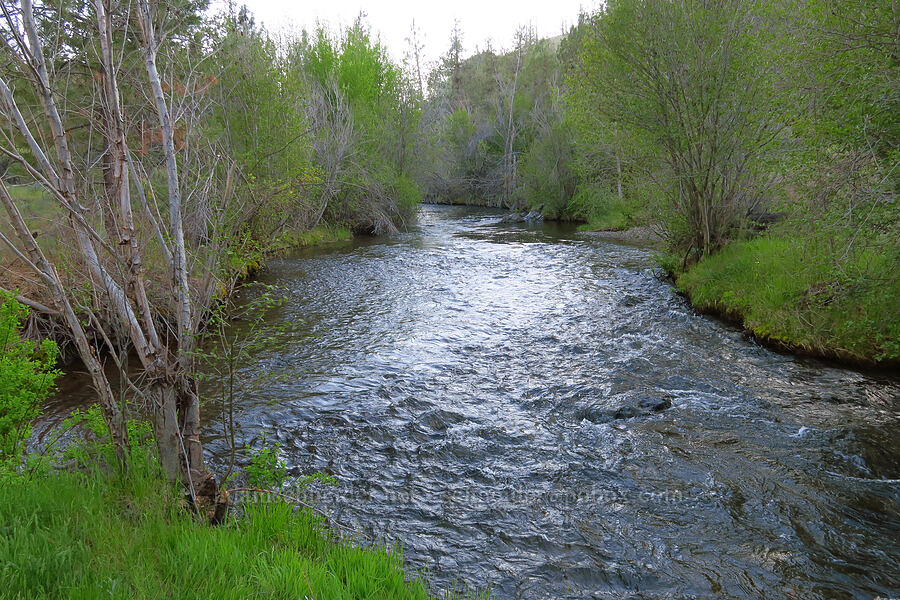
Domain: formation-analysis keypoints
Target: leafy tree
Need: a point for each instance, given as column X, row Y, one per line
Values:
column 695, row 88
column 363, row 113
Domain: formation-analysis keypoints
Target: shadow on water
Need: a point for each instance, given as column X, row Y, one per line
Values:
column 531, row 409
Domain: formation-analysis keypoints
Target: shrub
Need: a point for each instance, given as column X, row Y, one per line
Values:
column 27, row 377
column 600, row 207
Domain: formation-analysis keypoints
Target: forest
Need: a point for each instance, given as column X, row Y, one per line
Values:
column 155, row 155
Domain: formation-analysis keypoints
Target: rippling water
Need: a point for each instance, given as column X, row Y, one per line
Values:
column 530, row 410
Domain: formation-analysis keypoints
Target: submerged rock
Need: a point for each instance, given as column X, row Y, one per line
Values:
column 513, row 217
column 626, row 406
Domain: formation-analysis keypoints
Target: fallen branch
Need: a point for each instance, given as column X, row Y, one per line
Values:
column 33, row 304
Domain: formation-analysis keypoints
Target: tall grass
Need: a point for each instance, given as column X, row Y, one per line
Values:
column 795, row 291
column 68, row 535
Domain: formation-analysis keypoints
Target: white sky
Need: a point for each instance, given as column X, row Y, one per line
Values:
column 478, row 20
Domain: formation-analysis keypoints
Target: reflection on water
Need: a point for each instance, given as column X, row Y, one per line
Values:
column 532, row 410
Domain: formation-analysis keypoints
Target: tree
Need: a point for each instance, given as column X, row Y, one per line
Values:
column 509, row 158
column 363, row 115
column 696, row 86
column 415, row 50
column 111, row 311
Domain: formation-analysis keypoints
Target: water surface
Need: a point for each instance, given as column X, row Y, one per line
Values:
column 531, row 410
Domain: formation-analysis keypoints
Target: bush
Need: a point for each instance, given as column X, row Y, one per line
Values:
column 546, row 172
column 27, row 377
column 601, row 208
column 266, row 468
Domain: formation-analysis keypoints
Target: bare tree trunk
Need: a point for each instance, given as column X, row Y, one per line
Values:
column 187, row 399
column 618, row 174
column 63, row 185
column 509, row 166
column 118, row 185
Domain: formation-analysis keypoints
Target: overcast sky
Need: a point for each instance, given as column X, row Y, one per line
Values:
column 479, row 20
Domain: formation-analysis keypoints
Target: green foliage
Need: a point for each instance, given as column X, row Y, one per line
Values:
column 138, row 542
column 499, row 133
column 695, row 89
column 318, row 235
column 317, row 477
column 27, row 373
column 321, row 130
column 668, row 262
column 364, row 119
column 712, row 116
column 407, row 193
column 601, row 208
column 266, row 468
column 93, row 446
column 359, row 64
column 243, row 256
column 851, row 97
column 260, row 108
column 546, row 171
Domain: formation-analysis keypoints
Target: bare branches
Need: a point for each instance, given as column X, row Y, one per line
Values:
column 109, row 242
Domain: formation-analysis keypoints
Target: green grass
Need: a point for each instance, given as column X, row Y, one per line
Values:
column 321, row 234
column 798, row 293
column 612, row 219
column 69, row 535
column 602, row 210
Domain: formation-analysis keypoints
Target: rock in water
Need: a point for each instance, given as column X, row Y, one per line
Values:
column 625, row 406
column 513, row 218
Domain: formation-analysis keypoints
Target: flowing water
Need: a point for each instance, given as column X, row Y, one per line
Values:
column 530, row 410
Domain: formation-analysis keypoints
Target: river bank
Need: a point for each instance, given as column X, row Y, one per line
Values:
column 94, row 534
column 789, row 299
column 641, row 235
column 792, row 300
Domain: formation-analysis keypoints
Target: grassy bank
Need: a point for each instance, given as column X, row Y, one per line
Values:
column 318, row 235
column 66, row 535
column 247, row 258
column 794, row 294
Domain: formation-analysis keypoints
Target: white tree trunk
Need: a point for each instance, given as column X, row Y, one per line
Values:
column 187, row 397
